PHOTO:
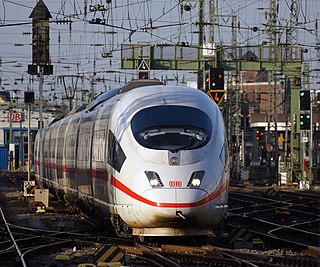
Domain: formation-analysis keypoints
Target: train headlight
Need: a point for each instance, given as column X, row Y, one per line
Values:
column 153, row 182
column 154, row 179
column 196, row 179
column 196, row 182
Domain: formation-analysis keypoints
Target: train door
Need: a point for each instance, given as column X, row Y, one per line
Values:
column 99, row 174
column 86, row 128
column 70, row 152
column 60, row 164
column 52, row 154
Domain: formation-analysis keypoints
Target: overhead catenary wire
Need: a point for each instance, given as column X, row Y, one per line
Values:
column 155, row 22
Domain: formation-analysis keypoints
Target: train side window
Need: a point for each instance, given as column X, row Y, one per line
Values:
column 70, row 146
column 83, row 146
column 36, row 146
column 99, row 142
column 116, row 156
column 46, row 146
column 52, row 147
column 60, row 147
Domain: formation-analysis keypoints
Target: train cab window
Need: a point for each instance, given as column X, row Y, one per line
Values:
column 116, row 156
column 171, row 128
column 223, row 155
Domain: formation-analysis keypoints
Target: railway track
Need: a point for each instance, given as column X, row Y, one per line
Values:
column 38, row 242
column 18, row 241
column 283, row 216
column 37, row 245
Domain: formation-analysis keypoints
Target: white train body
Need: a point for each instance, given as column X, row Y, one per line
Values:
column 152, row 159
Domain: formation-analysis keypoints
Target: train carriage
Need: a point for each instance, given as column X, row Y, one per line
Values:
column 150, row 158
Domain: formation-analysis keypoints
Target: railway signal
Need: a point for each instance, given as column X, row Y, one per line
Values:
column 207, row 82
column 216, row 78
column 304, row 100
column 143, row 75
column 259, row 135
column 143, row 70
column 216, row 84
column 305, row 121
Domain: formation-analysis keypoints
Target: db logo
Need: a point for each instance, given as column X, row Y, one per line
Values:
column 175, row 184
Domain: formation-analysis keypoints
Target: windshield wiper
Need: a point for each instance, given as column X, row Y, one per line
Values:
column 197, row 135
column 150, row 134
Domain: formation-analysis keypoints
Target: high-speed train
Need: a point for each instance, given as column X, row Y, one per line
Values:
column 152, row 159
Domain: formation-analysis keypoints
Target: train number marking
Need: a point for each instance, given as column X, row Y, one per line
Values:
column 175, row 184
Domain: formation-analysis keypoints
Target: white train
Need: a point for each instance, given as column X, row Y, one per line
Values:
column 150, row 158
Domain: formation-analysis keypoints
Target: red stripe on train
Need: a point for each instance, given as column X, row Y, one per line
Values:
column 65, row 169
column 116, row 183
column 120, row 186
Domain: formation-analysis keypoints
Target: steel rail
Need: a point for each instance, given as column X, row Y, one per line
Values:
column 12, row 238
column 269, row 234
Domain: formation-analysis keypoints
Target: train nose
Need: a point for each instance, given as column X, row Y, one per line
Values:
column 173, row 206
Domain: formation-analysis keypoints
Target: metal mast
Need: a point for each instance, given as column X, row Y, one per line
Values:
column 200, row 46
column 292, row 32
column 297, row 149
column 272, row 30
column 271, row 136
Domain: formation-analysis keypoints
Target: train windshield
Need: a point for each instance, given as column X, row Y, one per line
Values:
column 171, row 128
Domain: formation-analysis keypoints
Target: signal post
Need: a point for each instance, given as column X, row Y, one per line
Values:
column 40, row 66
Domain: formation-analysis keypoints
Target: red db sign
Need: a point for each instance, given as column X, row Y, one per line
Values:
column 175, row 184
column 15, row 116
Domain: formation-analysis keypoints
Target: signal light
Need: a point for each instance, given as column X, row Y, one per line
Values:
column 28, row 97
column 305, row 120
column 216, row 78
column 304, row 100
column 207, row 82
column 143, row 75
column 259, row 135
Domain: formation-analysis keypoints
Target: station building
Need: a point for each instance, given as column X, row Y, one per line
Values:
column 14, row 131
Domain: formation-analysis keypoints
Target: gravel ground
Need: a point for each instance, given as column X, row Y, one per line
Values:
column 18, row 209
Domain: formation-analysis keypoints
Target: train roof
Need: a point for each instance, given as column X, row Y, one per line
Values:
column 135, row 83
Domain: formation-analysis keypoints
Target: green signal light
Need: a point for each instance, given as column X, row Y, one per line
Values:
column 308, row 116
column 302, row 94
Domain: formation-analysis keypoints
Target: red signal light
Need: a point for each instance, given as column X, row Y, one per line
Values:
column 216, row 79
column 143, row 75
column 258, row 135
column 207, row 82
